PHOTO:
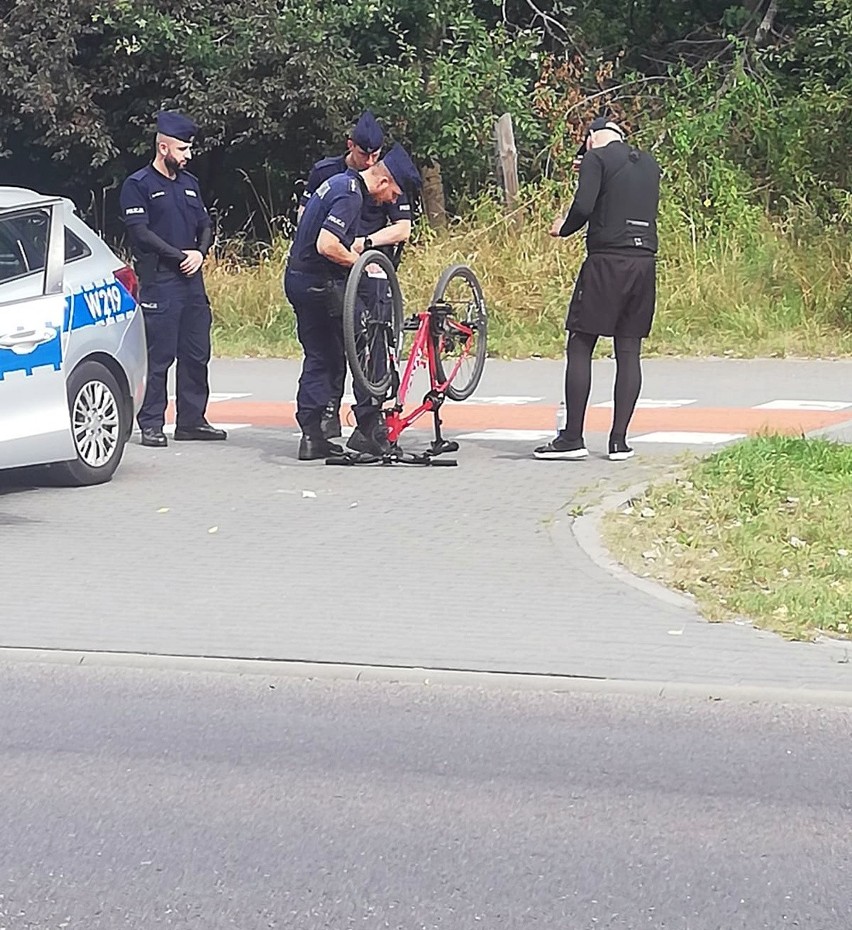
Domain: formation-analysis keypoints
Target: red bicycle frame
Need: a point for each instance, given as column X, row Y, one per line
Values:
column 430, row 328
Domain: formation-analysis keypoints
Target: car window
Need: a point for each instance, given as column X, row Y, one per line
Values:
column 13, row 260
column 23, row 244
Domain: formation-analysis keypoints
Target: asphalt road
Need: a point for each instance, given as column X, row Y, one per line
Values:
column 140, row 799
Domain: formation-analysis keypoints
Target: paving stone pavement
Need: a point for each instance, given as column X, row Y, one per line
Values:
column 238, row 550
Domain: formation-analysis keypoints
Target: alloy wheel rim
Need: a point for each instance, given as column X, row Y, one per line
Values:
column 95, row 423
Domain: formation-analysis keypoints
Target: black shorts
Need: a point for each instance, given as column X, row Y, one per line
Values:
column 615, row 295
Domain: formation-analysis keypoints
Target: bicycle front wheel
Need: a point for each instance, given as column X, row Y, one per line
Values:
column 462, row 335
column 372, row 324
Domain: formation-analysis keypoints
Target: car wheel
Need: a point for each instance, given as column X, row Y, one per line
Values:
column 100, row 425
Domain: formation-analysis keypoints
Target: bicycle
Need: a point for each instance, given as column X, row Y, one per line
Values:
column 450, row 342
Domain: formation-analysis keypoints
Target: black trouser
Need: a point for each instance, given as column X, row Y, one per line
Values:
column 321, row 334
column 177, row 326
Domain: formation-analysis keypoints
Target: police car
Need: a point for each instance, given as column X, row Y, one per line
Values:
column 72, row 342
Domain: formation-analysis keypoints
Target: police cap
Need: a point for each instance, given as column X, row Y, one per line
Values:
column 367, row 133
column 398, row 162
column 176, row 125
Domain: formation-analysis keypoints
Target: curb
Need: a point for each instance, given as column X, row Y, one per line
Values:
column 586, row 531
column 386, row 674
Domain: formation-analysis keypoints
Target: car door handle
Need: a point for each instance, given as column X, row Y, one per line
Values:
column 23, row 341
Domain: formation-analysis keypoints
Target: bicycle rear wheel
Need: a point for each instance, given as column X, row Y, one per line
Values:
column 462, row 335
column 372, row 324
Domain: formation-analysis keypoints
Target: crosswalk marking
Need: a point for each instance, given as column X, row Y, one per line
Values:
column 827, row 406
column 510, row 435
column 169, row 428
column 217, row 397
column 648, row 404
column 683, row 437
column 501, row 400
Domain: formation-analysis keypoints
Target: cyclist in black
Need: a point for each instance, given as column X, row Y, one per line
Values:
column 615, row 293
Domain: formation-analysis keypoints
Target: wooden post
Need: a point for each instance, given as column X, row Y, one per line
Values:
column 434, row 203
column 507, row 158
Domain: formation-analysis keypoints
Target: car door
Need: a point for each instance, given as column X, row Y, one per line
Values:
column 35, row 425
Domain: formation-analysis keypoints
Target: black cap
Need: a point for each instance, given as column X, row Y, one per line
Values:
column 602, row 122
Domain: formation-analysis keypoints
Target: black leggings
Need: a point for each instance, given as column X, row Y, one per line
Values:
column 578, row 382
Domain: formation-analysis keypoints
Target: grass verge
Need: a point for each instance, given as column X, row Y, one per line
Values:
column 762, row 529
column 754, row 293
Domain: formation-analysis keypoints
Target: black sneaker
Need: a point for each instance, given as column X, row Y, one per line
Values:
column 562, row 448
column 619, row 451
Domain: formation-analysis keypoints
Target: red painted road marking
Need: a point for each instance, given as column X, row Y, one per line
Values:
column 543, row 417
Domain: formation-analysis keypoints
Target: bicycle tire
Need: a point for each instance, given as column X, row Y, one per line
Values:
column 475, row 317
column 375, row 376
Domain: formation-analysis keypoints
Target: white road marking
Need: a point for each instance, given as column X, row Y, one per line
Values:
column 507, row 400
column 511, row 435
column 826, row 406
column 169, row 428
column 686, row 438
column 648, row 404
column 216, row 398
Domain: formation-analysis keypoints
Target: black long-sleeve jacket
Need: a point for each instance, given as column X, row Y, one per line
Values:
column 618, row 196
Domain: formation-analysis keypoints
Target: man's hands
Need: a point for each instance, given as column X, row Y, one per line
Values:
column 557, row 225
column 193, row 261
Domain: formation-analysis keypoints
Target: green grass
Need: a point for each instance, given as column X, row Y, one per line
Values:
column 755, row 293
column 762, row 529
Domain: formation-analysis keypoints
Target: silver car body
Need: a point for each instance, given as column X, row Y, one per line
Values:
column 54, row 318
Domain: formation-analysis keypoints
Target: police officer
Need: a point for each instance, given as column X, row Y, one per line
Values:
column 323, row 251
column 170, row 234
column 617, row 195
column 386, row 225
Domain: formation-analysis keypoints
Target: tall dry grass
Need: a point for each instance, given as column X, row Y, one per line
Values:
column 754, row 291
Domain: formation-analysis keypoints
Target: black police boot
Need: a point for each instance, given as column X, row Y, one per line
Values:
column 154, row 437
column 370, row 437
column 330, row 422
column 202, row 431
column 317, row 447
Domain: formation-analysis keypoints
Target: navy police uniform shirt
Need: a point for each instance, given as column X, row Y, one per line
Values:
column 336, row 206
column 172, row 209
column 373, row 216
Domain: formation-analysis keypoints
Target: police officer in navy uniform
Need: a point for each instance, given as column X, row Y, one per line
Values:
column 170, row 234
column 323, row 251
column 387, row 225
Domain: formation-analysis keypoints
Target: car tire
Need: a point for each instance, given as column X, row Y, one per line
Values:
column 100, row 424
